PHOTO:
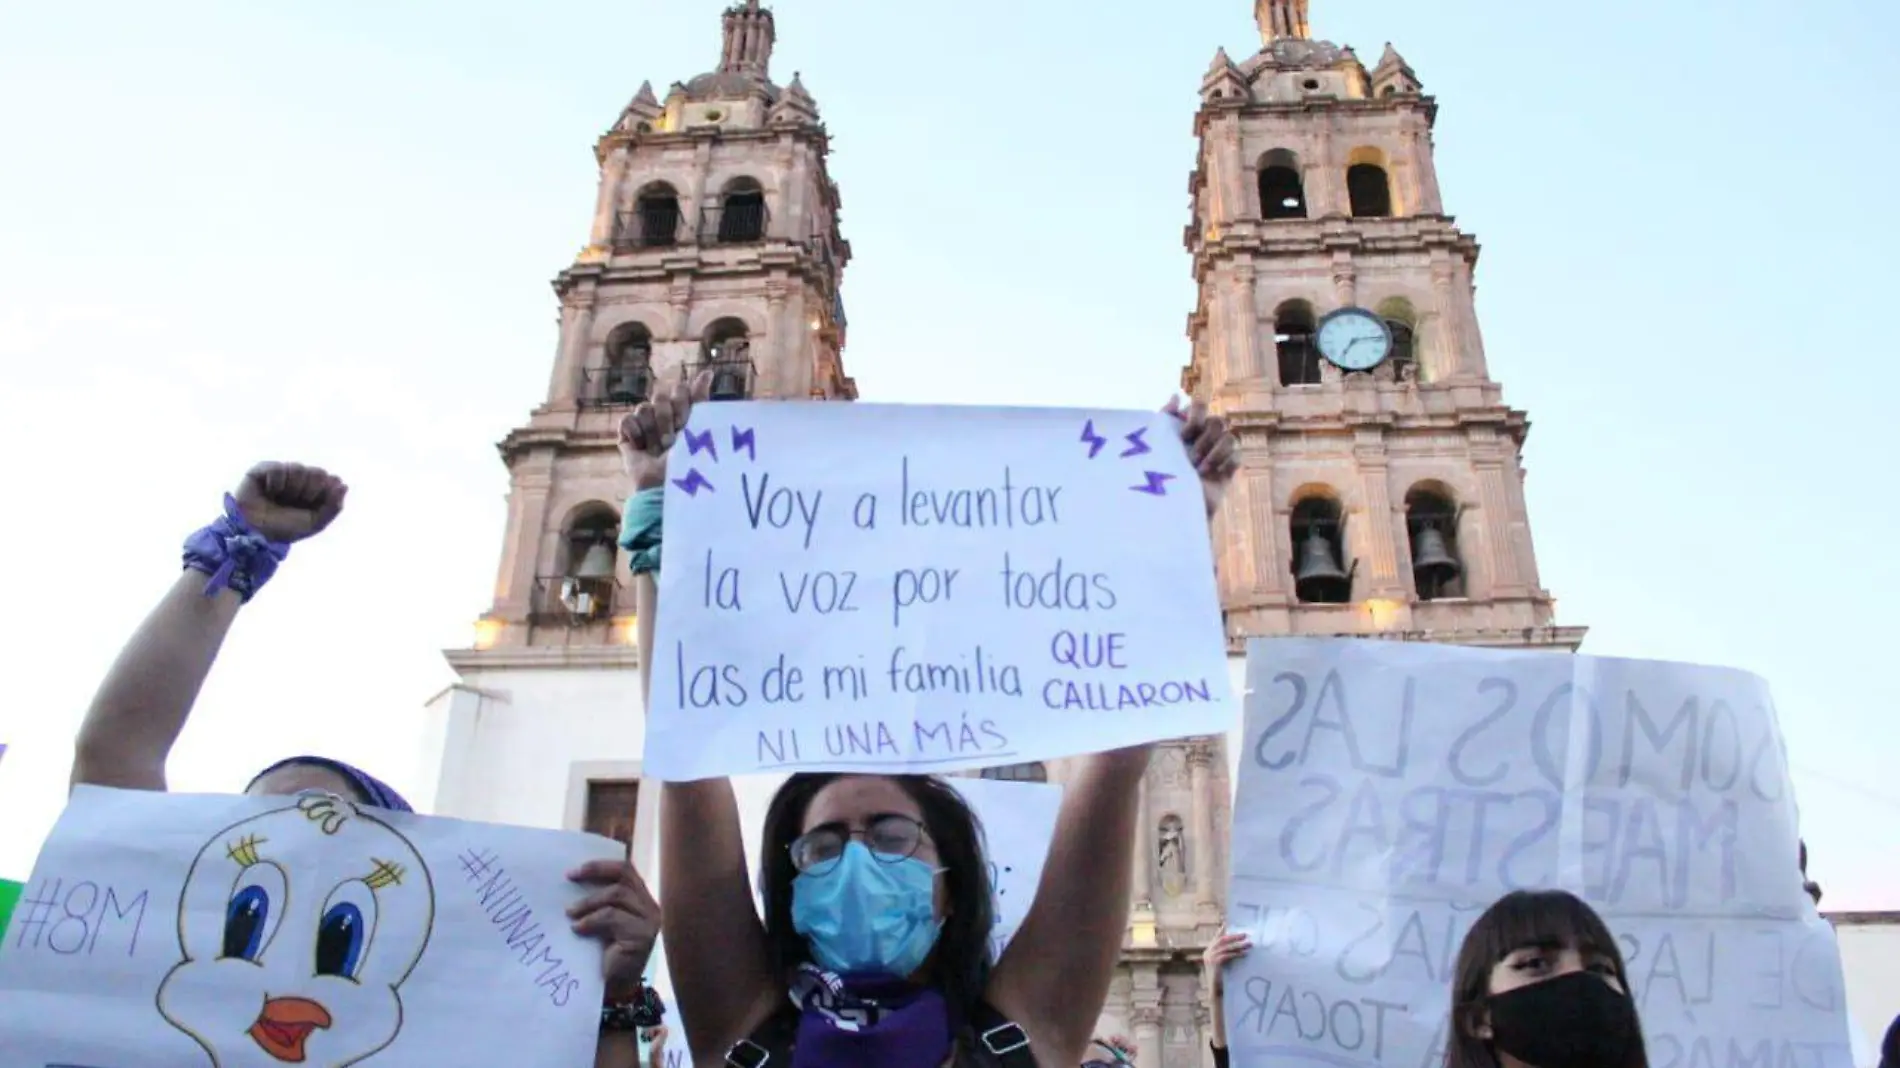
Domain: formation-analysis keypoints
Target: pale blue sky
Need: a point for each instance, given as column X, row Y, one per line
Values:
column 324, row 231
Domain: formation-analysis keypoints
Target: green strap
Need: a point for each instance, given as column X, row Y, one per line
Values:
column 640, row 530
column 9, row 897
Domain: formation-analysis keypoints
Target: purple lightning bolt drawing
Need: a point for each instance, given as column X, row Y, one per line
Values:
column 1096, row 441
column 703, row 441
column 693, row 482
column 1136, row 446
column 1157, row 483
column 742, row 439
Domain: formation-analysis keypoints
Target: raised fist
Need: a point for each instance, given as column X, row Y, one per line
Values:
column 1210, row 445
column 289, row 502
column 648, row 431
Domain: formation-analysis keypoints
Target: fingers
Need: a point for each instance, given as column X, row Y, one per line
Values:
column 701, row 387
column 622, row 888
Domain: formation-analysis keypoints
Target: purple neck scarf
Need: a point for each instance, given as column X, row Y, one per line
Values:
column 374, row 791
column 868, row 1022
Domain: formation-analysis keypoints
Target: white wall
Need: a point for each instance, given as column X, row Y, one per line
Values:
column 1870, row 962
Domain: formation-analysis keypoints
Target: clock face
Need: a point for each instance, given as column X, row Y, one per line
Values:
column 1354, row 339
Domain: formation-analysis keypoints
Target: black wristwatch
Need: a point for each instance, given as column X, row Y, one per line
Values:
column 642, row 1010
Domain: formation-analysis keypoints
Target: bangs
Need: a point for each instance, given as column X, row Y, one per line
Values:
column 1527, row 918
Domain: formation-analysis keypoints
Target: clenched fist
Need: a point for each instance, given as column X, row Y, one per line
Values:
column 289, row 502
column 648, row 431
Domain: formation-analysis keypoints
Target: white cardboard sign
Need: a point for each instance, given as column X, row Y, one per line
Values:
column 181, row 931
column 1389, row 792
column 1019, row 820
column 853, row 587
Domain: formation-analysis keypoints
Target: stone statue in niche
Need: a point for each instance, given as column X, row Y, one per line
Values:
column 1171, row 855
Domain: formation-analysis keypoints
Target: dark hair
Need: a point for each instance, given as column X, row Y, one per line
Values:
column 1518, row 919
column 1890, row 1046
column 959, row 965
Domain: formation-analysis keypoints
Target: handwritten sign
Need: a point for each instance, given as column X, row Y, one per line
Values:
column 1390, row 792
column 175, row 931
column 854, row 587
column 1019, row 820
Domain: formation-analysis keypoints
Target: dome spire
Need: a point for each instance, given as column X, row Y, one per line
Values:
column 748, row 40
column 1281, row 19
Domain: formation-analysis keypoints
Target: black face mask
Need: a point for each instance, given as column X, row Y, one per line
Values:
column 1572, row 1021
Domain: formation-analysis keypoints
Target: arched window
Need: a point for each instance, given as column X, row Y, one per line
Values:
column 586, row 583
column 1320, row 575
column 1431, row 526
column 1299, row 357
column 1036, row 772
column 1282, row 193
column 1369, row 192
column 741, row 213
column 629, row 371
column 1402, row 319
column 727, row 353
column 657, row 216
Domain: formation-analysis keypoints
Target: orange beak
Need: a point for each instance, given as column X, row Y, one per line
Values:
column 285, row 1024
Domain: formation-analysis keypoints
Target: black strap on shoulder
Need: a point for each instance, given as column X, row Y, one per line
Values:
column 770, row 1044
column 996, row 1035
column 1002, row 1038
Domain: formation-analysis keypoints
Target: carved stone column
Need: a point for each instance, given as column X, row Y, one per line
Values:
column 1200, row 761
column 612, row 173
column 533, row 483
column 1500, row 535
column 1379, row 533
column 1144, row 850
column 1447, row 352
column 1243, row 326
column 1144, row 1014
column 577, row 328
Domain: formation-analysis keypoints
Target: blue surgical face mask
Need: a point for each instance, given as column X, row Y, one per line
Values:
column 868, row 914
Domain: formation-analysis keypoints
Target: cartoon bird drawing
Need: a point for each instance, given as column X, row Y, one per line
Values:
column 297, row 930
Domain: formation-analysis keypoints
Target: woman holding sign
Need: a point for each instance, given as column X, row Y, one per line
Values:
column 142, row 706
column 1540, row 983
column 874, row 947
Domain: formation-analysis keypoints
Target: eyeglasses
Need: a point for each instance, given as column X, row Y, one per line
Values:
column 890, row 838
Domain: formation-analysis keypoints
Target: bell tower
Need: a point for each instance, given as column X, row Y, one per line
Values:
column 714, row 246
column 1384, row 500
column 1378, row 496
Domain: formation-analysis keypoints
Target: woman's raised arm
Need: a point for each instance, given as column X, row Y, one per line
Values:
column 147, row 695
column 1055, row 974
column 715, row 943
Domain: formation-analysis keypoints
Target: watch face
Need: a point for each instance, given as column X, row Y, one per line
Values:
column 1354, row 339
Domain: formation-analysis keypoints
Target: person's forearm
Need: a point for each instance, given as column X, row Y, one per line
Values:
column 142, row 705
column 646, row 605
column 617, row 1049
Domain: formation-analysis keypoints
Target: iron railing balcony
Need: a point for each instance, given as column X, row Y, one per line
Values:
column 648, row 226
column 739, row 221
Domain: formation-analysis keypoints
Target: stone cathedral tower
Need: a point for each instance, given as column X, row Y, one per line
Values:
column 1385, row 501
column 714, row 245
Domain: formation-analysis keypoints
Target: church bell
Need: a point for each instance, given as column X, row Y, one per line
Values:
column 1432, row 561
column 627, row 387
column 1318, row 575
column 728, row 384
column 598, row 563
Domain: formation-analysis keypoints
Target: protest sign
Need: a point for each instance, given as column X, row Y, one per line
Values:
column 175, row 931
column 1019, row 819
column 853, row 587
column 1390, row 792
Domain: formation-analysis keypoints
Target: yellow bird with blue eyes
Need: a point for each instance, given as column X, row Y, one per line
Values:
column 297, row 929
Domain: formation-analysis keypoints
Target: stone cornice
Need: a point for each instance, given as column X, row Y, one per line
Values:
column 1270, row 421
column 543, row 658
column 711, row 261
column 1417, row 103
column 812, row 134
column 1551, row 636
column 1322, row 237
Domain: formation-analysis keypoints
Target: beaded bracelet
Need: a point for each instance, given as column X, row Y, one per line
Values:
column 639, row 1012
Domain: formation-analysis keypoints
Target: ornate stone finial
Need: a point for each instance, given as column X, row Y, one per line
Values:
column 794, row 106
column 749, row 34
column 644, row 107
column 1223, row 80
column 1394, row 73
column 1281, row 19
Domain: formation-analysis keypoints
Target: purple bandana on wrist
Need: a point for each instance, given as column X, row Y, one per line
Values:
column 866, row 1021
column 233, row 554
